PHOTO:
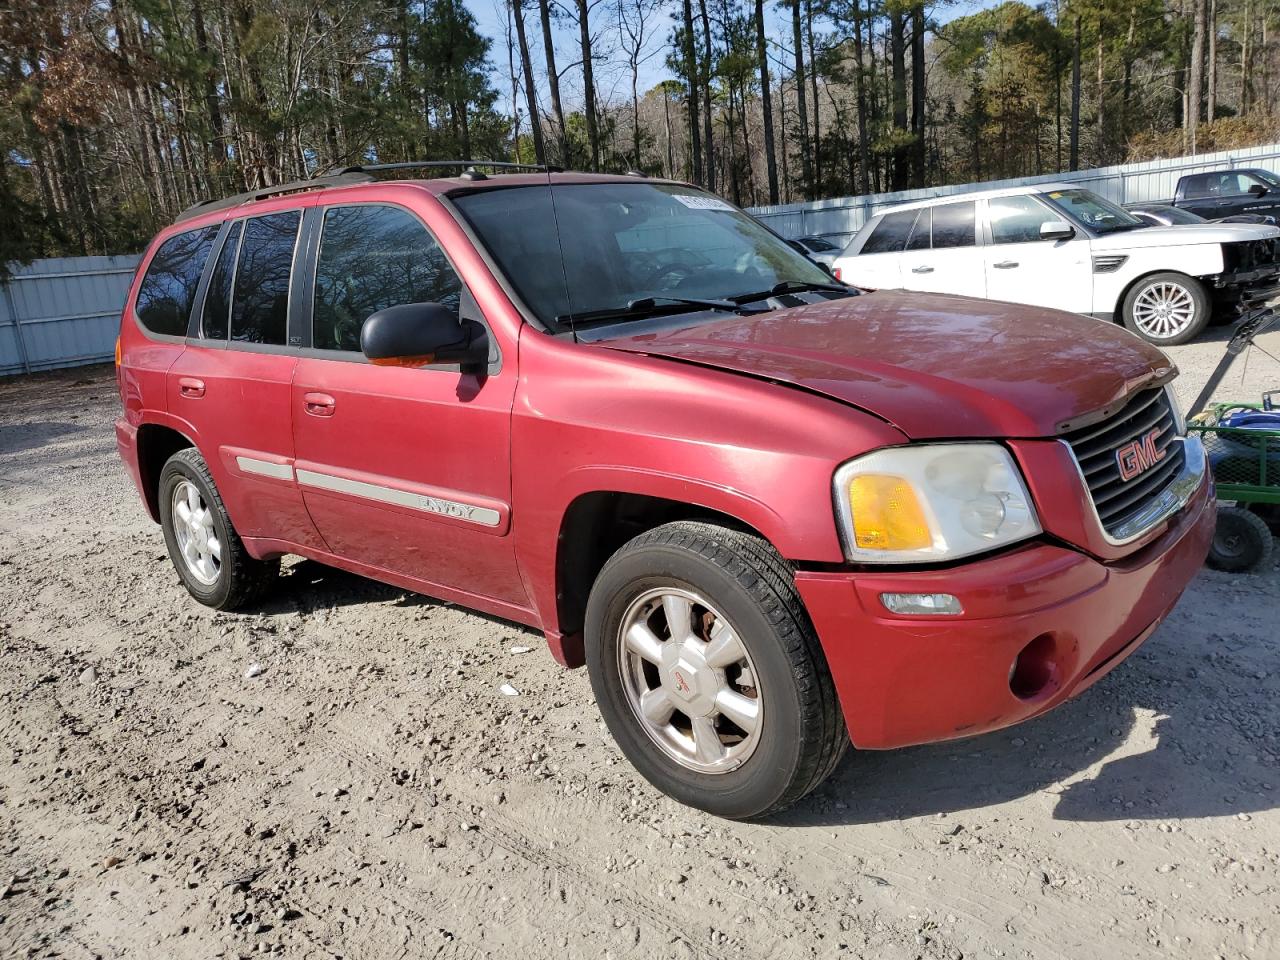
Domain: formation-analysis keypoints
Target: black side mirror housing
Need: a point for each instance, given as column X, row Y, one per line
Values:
column 1257, row 190
column 424, row 334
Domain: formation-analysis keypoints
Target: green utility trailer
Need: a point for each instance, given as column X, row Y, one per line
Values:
column 1242, row 441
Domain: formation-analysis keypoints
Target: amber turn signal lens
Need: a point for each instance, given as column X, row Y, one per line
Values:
column 887, row 514
column 117, row 351
column 403, row 361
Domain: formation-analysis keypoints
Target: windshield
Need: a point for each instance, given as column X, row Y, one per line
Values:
column 625, row 243
column 1092, row 211
column 1267, row 177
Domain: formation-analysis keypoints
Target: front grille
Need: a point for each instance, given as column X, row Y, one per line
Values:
column 1096, row 446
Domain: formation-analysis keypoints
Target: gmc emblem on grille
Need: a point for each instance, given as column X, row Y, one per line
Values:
column 1139, row 456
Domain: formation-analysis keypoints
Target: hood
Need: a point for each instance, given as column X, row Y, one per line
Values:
column 1184, row 234
column 933, row 365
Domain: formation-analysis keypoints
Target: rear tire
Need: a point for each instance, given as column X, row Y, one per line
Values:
column 781, row 732
column 1242, row 541
column 1167, row 308
column 205, row 549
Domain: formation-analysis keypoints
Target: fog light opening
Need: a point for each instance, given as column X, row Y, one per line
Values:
column 1035, row 672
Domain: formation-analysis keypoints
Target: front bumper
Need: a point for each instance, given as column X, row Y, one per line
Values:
column 911, row 679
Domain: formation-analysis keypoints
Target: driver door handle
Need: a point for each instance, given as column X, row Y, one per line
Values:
column 1005, row 264
column 922, row 269
column 318, row 404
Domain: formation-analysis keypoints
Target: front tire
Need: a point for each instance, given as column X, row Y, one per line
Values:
column 708, row 672
column 205, row 549
column 1167, row 308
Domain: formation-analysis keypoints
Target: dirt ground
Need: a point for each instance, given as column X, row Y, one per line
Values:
column 372, row 793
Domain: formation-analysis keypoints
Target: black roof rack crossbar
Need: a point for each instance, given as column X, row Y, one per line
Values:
column 344, row 178
column 462, row 164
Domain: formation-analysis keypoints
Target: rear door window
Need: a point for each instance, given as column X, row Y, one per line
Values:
column 1198, row 186
column 168, row 289
column 954, row 225
column 919, row 239
column 260, row 303
column 373, row 257
column 217, row 299
column 890, row 235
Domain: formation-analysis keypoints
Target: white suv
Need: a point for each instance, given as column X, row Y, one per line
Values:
column 1065, row 247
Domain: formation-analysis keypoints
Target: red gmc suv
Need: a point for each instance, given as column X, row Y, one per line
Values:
column 771, row 514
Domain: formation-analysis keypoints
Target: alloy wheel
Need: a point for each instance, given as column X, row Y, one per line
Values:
column 195, row 533
column 690, row 681
column 1163, row 310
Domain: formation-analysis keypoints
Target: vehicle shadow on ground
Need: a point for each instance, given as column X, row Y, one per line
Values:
column 307, row 586
column 21, row 437
column 1196, row 762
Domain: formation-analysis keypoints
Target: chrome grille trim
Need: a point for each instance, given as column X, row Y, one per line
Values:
column 1125, row 510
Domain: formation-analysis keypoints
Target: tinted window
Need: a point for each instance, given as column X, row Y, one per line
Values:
column 169, row 287
column 892, row 233
column 1017, row 219
column 954, row 225
column 217, row 299
column 260, row 307
column 372, row 258
column 818, row 245
column 1223, row 184
column 1197, row 186
column 919, row 239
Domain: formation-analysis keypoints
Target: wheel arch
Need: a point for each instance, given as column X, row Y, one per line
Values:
column 593, row 526
column 156, row 444
column 1117, row 315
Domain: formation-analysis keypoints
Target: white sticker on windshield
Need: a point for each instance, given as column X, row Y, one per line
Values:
column 702, row 202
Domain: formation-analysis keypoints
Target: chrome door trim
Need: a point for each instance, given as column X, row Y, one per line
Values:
column 454, row 509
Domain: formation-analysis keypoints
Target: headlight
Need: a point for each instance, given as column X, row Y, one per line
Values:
column 931, row 502
column 1179, row 418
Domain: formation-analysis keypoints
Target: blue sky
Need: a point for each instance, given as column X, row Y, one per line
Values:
column 612, row 80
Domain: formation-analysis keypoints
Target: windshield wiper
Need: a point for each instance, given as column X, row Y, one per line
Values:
column 649, row 307
column 791, row 286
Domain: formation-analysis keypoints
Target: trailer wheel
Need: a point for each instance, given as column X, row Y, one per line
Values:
column 1242, row 541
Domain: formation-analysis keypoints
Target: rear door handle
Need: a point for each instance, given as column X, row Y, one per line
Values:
column 922, row 269
column 318, row 404
column 191, row 387
column 1005, row 264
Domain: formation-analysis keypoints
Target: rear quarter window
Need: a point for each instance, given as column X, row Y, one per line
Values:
column 168, row 289
column 890, row 236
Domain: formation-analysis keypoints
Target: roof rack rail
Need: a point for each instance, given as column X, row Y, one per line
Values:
column 357, row 173
column 344, row 178
column 443, row 164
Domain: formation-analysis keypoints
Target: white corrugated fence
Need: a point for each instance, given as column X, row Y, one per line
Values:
column 63, row 312
column 1153, row 180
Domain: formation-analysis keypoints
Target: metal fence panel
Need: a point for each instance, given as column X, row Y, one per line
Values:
column 1151, row 181
column 63, row 312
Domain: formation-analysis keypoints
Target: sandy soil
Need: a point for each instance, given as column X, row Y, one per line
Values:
column 372, row 793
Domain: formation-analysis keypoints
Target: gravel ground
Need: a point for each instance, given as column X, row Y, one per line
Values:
column 372, row 793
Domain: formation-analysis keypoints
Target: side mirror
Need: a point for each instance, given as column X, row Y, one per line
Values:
column 1056, row 230
column 423, row 334
column 1257, row 189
